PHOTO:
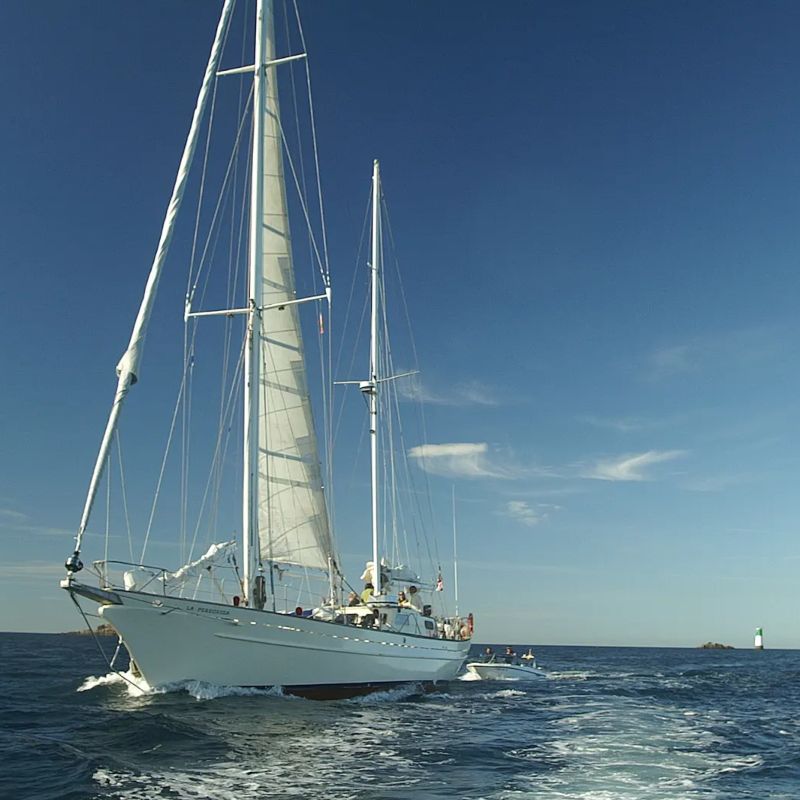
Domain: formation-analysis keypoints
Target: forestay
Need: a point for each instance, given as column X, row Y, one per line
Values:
column 292, row 518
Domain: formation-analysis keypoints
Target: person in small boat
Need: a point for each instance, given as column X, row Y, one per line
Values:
column 414, row 600
column 509, row 656
column 488, row 655
column 236, row 600
column 366, row 595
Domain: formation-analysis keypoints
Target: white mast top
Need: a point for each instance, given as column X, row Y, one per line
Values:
column 370, row 387
column 455, row 551
column 252, row 362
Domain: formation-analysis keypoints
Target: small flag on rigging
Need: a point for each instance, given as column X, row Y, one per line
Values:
column 439, row 583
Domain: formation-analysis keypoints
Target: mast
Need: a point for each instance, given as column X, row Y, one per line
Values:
column 455, row 551
column 370, row 388
column 251, row 357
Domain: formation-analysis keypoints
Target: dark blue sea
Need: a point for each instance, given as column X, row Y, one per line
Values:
column 607, row 724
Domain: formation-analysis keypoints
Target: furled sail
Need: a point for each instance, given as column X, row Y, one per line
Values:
column 293, row 524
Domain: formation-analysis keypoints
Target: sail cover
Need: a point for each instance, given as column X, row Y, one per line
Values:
column 293, row 522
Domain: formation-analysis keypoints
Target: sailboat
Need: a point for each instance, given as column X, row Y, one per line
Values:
column 250, row 635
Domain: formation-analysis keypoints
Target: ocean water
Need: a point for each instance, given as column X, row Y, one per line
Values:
column 607, row 724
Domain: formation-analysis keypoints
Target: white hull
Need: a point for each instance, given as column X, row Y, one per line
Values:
column 504, row 672
column 174, row 640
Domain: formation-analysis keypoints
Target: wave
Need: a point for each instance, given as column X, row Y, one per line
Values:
column 210, row 691
column 135, row 686
column 571, row 675
column 387, row 696
column 199, row 690
column 507, row 693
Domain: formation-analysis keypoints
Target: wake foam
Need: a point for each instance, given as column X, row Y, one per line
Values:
column 199, row 690
column 135, row 686
column 211, row 691
column 571, row 675
column 508, row 693
column 388, row 696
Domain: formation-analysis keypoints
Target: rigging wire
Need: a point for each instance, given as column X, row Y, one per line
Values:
column 360, row 326
column 185, row 393
column 233, row 277
column 420, row 404
column 124, row 495
column 326, row 374
column 96, row 640
column 217, row 447
column 304, row 207
column 316, row 149
column 108, row 519
column 163, row 466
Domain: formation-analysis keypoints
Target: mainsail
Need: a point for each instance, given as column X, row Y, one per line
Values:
column 292, row 517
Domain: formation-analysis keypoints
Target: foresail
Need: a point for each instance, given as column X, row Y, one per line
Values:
column 293, row 522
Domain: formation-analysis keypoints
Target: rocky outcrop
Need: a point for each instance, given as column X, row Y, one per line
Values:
column 715, row 646
column 101, row 630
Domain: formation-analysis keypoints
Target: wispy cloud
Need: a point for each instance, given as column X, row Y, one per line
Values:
column 32, row 570
column 665, row 362
column 716, row 483
column 473, row 460
column 633, row 424
column 526, row 514
column 747, row 346
column 630, row 467
column 15, row 522
column 621, row 424
column 37, row 530
column 480, row 460
column 470, row 393
column 459, row 460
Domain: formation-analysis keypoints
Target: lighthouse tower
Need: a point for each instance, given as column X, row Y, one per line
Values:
column 759, row 642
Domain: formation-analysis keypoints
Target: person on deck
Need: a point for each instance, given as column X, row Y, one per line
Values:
column 366, row 595
column 414, row 600
column 402, row 600
column 353, row 600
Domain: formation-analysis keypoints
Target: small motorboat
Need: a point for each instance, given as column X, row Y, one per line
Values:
column 506, row 668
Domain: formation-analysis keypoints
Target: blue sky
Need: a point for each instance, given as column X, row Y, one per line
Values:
column 596, row 212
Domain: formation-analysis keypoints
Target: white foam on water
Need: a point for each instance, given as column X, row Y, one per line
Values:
column 622, row 749
column 468, row 676
column 201, row 690
column 571, row 675
column 611, row 749
column 508, row 693
column 388, row 696
column 135, row 686
column 92, row 682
